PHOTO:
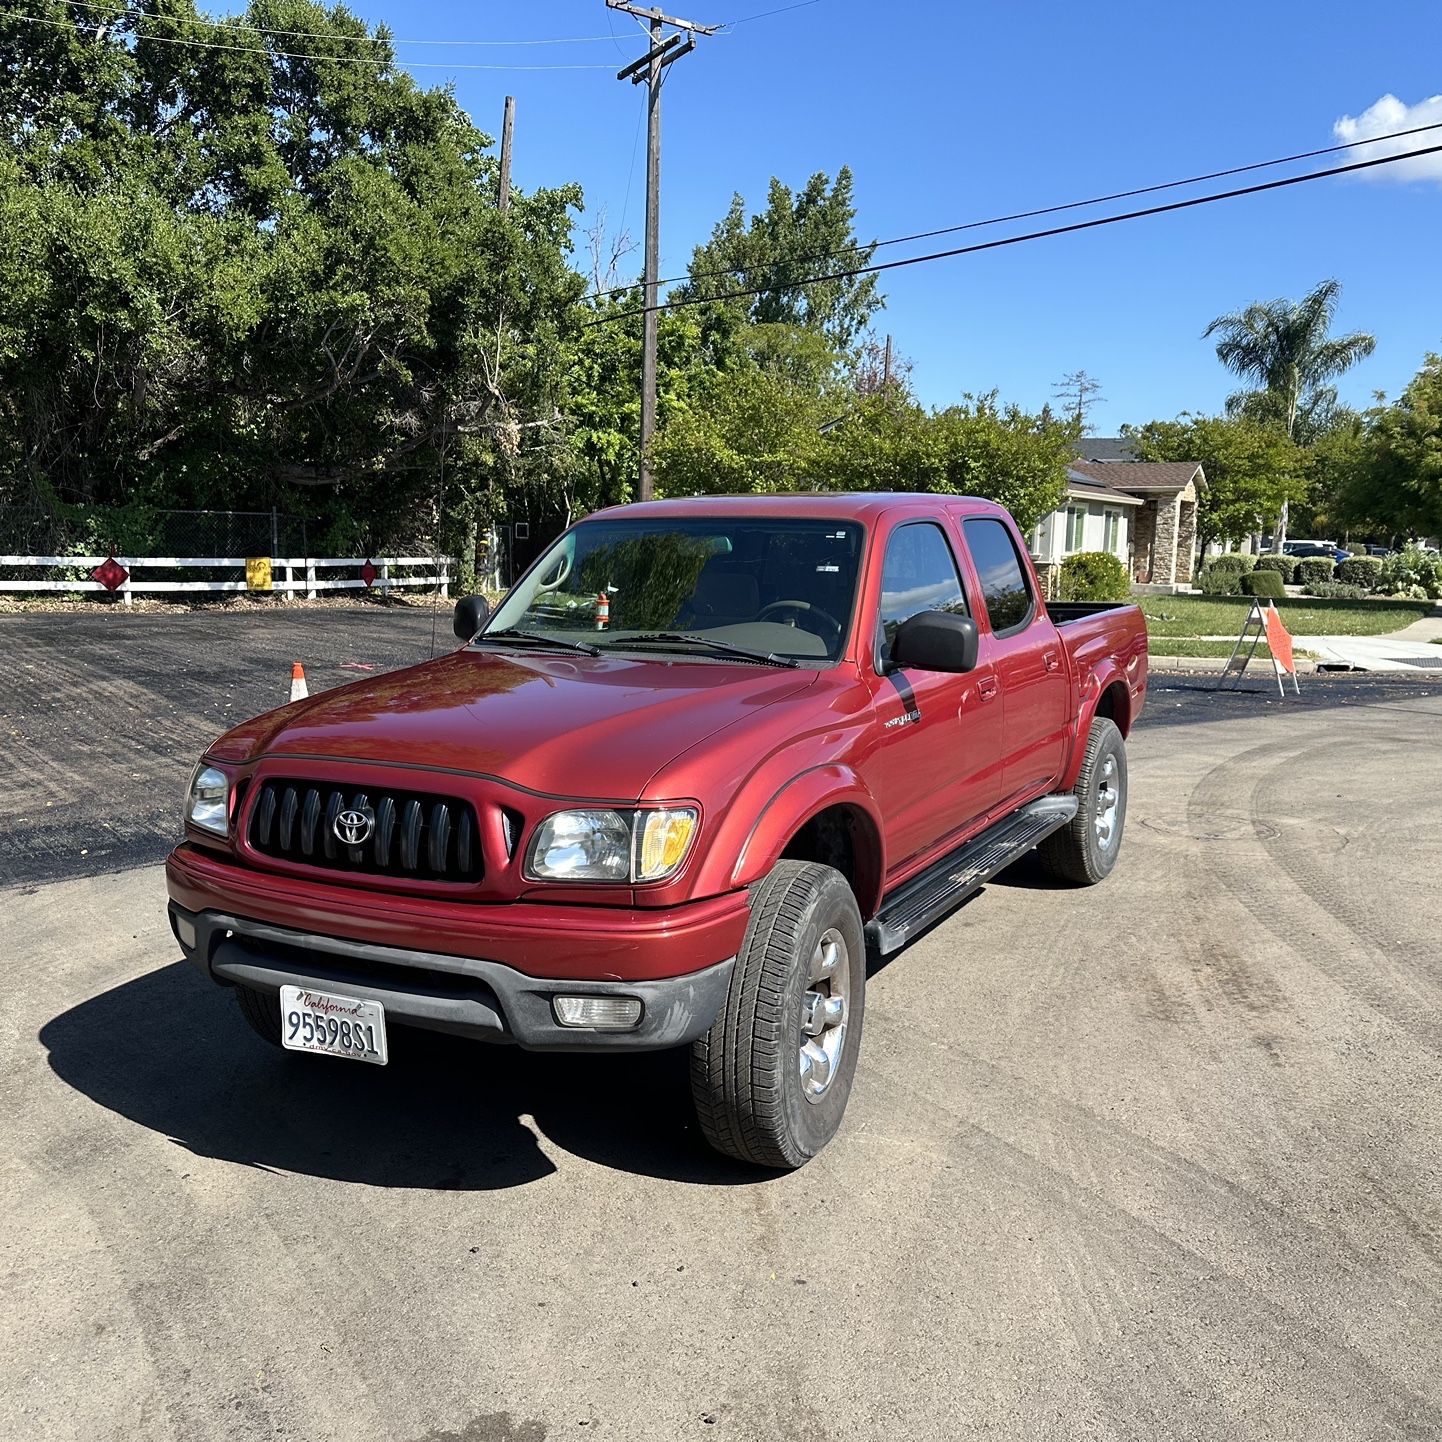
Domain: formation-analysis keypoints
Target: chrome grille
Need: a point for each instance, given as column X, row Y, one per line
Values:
column 401, row 833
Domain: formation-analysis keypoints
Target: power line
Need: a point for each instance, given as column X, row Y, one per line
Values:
column 800, row 5
column 1195, row 200
column 236, row 23
column 1033, row 214
column 270, row 54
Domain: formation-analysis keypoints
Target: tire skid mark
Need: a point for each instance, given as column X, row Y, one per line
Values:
column 1386, row 984
column 1118, row 1243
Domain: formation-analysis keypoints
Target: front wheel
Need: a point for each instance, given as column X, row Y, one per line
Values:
column 771, row 1078
column 1085, row 849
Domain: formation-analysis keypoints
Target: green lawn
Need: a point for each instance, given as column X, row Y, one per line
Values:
column 1169, row 616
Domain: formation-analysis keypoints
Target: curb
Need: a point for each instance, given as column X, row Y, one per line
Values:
column 1215, row 663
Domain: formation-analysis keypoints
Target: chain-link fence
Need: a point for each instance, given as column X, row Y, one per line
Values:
column 36, row 529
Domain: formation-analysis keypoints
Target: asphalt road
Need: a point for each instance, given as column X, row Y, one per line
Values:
column 1156, row 1160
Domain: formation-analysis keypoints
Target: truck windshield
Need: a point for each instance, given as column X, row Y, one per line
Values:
column 765, row 584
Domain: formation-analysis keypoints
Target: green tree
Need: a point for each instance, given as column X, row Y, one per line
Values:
column 798, row 235
column 230, row 276
column 1396, row 481
column 1252, row 469
column 1287, row 350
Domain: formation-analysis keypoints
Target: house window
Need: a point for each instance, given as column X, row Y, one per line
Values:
column 1111, row 531
column 1075, row 524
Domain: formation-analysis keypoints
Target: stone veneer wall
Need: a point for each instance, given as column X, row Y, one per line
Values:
column 1186, row 541
column 1049, row 574
column 1164, row 560
column 1143, row 528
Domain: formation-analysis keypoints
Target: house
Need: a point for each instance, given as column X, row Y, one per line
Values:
column 1142, row 512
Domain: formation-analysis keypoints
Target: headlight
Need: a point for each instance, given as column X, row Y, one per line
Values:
column 609, row 845
column 208, row 804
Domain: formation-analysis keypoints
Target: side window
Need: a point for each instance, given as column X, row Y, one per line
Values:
column 1003, row 579
column 918, row 574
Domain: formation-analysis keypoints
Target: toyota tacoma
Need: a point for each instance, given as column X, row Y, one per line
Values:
column 705, row 758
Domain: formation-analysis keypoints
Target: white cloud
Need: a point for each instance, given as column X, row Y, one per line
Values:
column 1387, row 117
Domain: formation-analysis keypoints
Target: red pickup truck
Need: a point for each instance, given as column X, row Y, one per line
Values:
column 705, row 757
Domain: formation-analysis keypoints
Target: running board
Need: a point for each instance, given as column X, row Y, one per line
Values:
column 945, row 884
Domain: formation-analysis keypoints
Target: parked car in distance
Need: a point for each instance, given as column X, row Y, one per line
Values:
column 1379, row 551
column 705, row 757
column 1303, row 550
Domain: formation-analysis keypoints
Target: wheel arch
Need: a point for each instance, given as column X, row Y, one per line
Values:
column 1105, row 694
column 825, row 815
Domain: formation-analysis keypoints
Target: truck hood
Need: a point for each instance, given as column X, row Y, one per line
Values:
column 576, row 727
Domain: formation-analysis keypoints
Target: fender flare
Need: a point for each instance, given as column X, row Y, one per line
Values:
column 1097, row 684
column 802, row 798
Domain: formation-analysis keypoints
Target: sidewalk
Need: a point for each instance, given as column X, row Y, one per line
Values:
column 1410, row 649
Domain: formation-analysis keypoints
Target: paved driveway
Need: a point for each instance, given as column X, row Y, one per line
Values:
column 1156, row 1160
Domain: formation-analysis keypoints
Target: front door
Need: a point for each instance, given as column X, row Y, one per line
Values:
column 936, row 765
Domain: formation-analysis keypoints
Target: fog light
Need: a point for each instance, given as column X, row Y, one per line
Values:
column 602, row 1013
column 184, row 931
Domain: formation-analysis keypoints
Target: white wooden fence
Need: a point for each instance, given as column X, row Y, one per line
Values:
column 289, row 574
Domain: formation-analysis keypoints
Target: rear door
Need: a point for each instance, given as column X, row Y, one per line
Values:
column 936, row 767
column 1025, row 652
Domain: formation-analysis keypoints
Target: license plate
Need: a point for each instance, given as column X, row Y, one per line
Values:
column 332, row 1025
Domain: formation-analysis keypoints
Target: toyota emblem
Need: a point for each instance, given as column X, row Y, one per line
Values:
column 353, row 827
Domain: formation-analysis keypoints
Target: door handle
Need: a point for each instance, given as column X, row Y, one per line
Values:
column 1051, row 659
column 986, row 687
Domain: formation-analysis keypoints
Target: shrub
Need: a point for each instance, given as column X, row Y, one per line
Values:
column 1335, row 591
column 1312, row 569
column 1232, row 562
column 1212, row 582
column 1405, row 573
column 1265, row 582
column 1284, row 566
column 1363, row 571
column 1094, row 576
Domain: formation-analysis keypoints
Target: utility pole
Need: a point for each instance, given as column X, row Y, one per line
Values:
column 886, row 367
column 508, row 126
column 664, row 51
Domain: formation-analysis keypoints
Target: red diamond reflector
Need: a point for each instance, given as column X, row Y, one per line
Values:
column 111, row 574
column 369, row 574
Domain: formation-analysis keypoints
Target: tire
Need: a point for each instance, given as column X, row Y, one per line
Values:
column 1084, row 851
column 768, row 1090
column 262, row 1010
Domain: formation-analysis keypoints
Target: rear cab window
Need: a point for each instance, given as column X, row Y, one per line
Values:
column 1005, row 590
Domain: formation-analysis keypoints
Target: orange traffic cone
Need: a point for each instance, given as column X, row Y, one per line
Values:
column 298, row 689
column 603, row 611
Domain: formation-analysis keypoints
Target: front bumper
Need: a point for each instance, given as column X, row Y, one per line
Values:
column 555, row 941
column 468, row 996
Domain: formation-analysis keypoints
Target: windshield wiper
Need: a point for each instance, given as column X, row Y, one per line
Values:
column 535, row 638
column 768, row 658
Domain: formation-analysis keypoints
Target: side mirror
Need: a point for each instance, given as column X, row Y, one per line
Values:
column 472, row 612
column 936, row 641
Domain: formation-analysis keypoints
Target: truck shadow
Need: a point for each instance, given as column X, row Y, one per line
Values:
column 172, row 1053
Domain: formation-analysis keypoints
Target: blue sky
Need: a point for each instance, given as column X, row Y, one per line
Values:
column 948, row 113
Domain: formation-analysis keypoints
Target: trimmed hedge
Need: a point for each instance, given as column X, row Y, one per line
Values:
column 1233, row 562
column 1312, row 569
column 1364, row 571
column 1335, row 591
column 1266, row 583
column 1212, row 582
column 1284, row 566
column 1094, row 576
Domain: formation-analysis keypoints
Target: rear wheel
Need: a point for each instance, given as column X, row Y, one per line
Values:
column 262, row 1010
column 771, row 1078
column 1085, row 850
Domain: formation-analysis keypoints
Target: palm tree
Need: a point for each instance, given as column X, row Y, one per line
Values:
column 1285, row 348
